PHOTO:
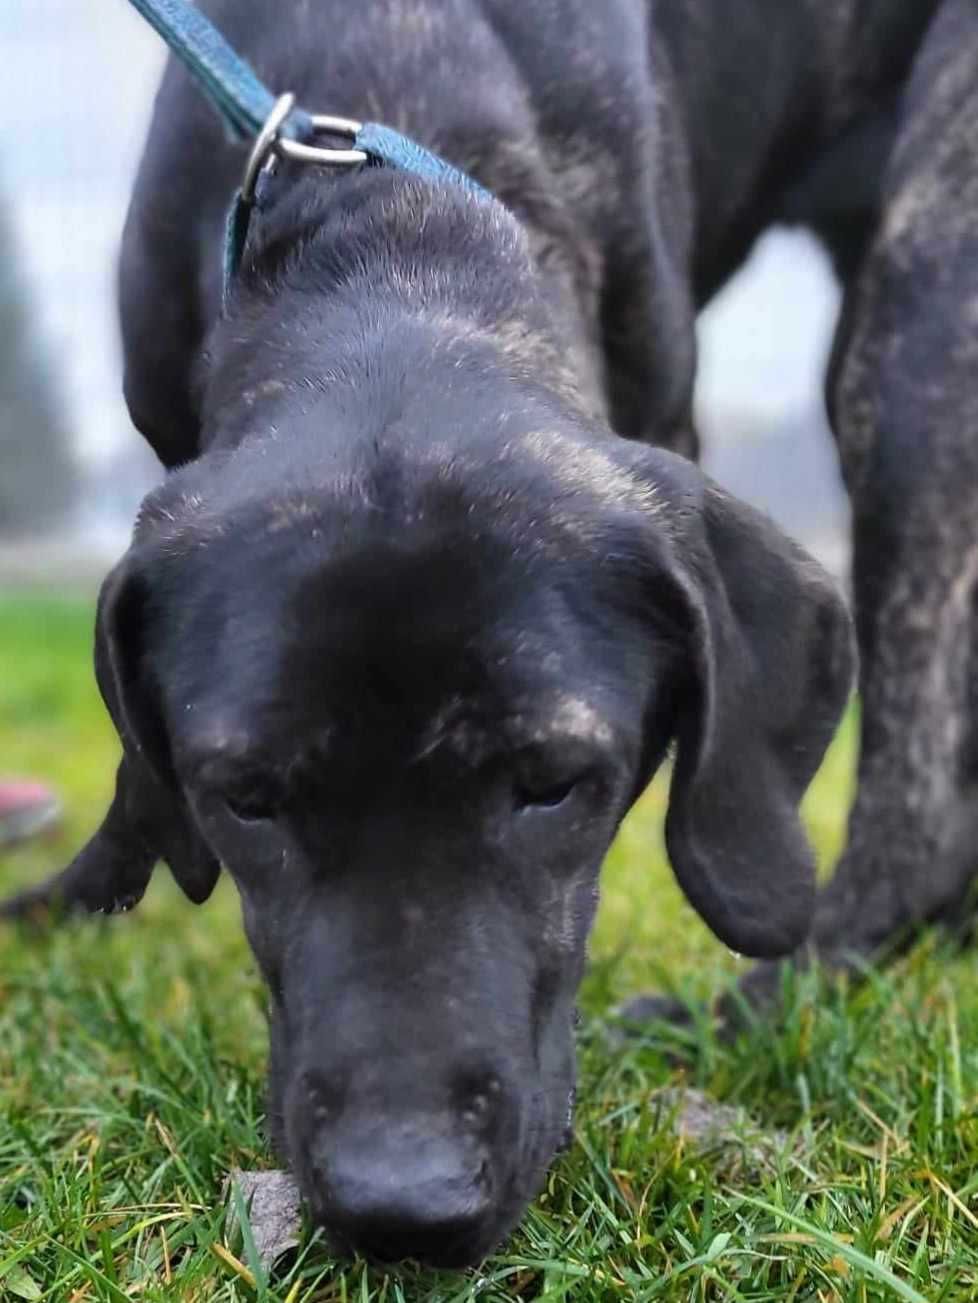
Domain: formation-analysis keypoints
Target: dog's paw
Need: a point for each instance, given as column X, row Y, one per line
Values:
column 106, row 877
column 680, row 1025
column 636, row 1015
column 665, row 1021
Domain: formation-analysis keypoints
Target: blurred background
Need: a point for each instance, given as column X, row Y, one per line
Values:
column 75, row 99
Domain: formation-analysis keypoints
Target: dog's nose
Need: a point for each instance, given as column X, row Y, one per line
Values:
column 428, row 1201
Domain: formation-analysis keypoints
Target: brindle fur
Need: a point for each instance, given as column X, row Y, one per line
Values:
column 672, row 136
column 639, row 149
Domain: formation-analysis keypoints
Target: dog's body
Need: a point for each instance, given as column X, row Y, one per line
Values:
column 410, row 628
column 643, row 170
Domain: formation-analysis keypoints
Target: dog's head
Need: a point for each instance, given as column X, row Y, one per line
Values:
column 406, row 698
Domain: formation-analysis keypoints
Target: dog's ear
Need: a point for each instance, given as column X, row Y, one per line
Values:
column 765, row 666
column 155, row 806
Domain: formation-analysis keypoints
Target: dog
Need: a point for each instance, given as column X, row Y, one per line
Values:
column 434, row 584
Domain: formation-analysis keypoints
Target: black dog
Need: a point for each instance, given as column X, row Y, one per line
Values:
column 410, row 628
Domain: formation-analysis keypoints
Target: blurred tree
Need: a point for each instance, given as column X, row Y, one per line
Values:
column 39, row 477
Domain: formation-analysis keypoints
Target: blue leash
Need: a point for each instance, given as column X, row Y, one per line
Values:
column 279, row 128
column 236, row 90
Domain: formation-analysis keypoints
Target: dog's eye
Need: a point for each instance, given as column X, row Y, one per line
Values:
column 545, row 796
column 253, row 806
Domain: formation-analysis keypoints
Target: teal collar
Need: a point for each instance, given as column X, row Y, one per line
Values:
column 278, row 126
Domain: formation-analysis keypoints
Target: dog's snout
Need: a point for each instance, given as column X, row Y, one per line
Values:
column 427, row 1199
column 323, row 1097
column 480, row 1101
column 407, row 1163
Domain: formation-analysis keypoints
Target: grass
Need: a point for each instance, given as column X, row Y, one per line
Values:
column 132, row 1052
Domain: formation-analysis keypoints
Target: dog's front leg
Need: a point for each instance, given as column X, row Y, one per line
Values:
column 905, row 413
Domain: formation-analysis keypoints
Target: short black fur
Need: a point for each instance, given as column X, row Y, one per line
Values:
column 419, row 609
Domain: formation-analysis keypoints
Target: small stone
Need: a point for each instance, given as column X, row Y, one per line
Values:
column 274, row 1210
column 728, row 1131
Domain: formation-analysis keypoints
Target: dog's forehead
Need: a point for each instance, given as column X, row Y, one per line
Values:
column 471, row 726
column 429, row 626
column 499, row 688
column 578, row 717
column 224, row 738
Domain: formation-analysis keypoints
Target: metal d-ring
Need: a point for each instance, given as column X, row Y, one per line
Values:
column 326, row 125
column 263, row 150
column 269, row 145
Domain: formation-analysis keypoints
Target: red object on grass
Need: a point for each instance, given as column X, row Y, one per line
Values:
column 26, row 810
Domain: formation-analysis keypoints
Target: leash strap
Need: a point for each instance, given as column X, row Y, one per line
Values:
column 231, row 84
column 278, row 126
column 384, row 145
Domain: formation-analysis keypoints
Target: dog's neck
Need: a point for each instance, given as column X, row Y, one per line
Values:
column 339, row 272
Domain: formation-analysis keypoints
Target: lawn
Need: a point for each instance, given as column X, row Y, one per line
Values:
column 132, row 1051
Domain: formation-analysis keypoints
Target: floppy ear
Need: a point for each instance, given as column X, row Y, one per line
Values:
column 768, row 662
column 155, row 808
